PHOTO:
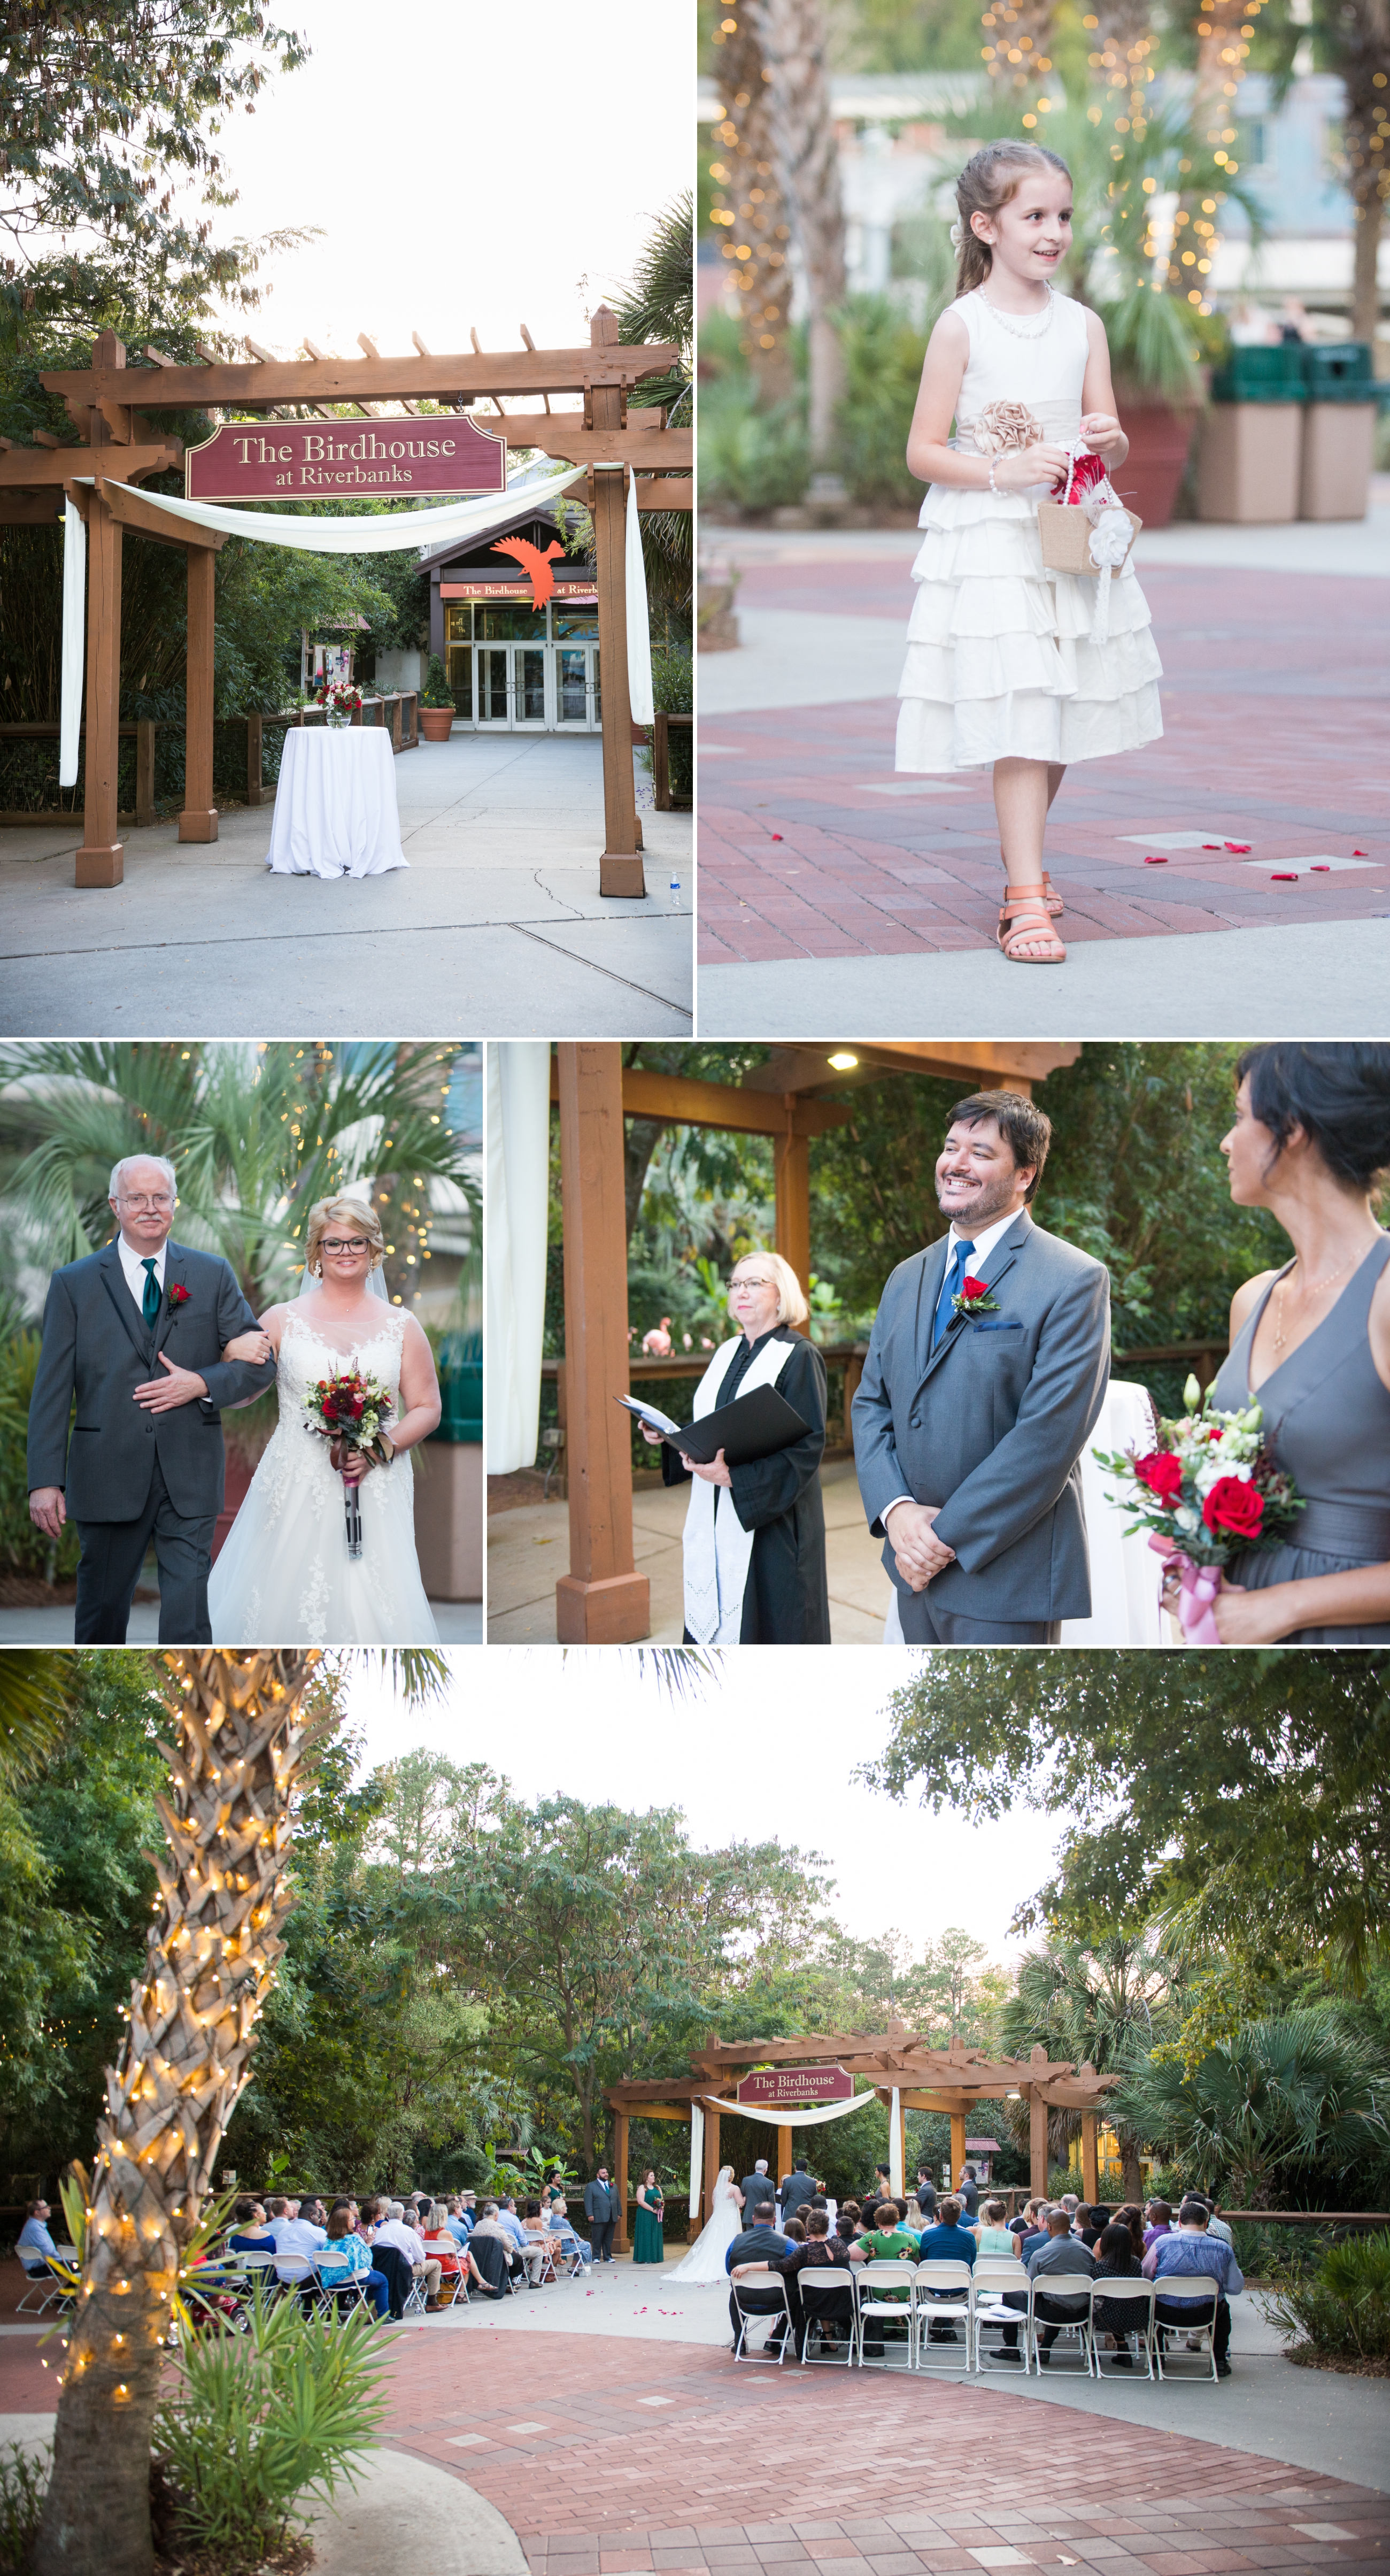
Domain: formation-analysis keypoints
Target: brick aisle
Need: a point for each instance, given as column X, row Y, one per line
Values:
column 608, row 2456
column 1273, row 697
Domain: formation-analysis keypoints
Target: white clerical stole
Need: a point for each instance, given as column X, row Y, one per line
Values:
column 718, row 1549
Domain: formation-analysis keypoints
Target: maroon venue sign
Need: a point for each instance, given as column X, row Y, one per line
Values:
column 337, row 460
column 790, row 2088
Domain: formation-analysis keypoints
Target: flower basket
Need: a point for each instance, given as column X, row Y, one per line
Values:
column 1065, row 533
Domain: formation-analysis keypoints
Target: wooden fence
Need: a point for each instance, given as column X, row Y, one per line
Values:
column 399, row 712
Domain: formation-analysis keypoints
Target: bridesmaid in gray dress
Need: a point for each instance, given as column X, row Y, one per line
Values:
column 1311, row 1343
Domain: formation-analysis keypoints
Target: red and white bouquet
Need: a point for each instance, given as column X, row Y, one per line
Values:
column 351, row 1411
column 1208, row 1492
column 342, row 701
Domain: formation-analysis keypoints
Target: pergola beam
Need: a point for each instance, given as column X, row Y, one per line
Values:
column 719, row 1104
column 260, row 383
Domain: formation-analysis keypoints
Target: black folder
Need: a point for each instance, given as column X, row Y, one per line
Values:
column 756, row 1425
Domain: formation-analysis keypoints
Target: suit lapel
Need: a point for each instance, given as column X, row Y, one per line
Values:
column 175, row 1263
column 1007, row 1250
column 1000, row 1260
column 113, row 1281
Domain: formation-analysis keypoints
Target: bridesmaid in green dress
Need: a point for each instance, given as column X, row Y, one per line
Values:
column 648, row 2244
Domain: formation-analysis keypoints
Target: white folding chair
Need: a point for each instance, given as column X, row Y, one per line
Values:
column 44, row 2289
column 339, row 2298
column 1136, row 2297
column 1201, row 2290
column 1060, row 2286
column 777, row 2319
column 819, row 2280
column 941, row 2297
column 415, row 2300
column 886, row 2295
column 993, row 2275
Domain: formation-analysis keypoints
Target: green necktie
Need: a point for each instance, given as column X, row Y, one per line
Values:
column 149, row 1304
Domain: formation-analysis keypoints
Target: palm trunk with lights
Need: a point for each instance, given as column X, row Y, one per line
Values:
column 239, row 1737
column 749, row 207
column 793, row 38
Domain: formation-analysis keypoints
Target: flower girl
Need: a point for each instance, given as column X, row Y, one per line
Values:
column 1001, row 666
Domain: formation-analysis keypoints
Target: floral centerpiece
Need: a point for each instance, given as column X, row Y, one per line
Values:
column 1209, row 1491
column 342, row 701
column 350, row 1411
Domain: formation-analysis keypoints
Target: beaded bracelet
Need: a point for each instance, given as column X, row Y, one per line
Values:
column 992, row 484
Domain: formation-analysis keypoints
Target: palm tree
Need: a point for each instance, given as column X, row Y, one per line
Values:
column 256, row 1133
column 1289, row 2092
column 792, row 34
column 1097, row 2004
column 658, row 303
column 240, row 1726
column 750, row 209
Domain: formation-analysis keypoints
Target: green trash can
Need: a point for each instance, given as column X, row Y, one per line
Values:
column 1338, row 429
column 1252, row 437
column 461, row 1387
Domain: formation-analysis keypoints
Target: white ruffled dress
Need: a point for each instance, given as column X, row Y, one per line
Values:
column 1000, row 663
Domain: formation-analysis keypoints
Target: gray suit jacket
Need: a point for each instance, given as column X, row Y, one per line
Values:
column 992, row 1423
column 98, row 1347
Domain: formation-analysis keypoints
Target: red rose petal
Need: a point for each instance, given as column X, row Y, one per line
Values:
column 1320, row 868
column 1156, row 863
column 1283, row 876
column 777, row 836
column 1360, row 854
column 1242, row 848
column 1212, row 845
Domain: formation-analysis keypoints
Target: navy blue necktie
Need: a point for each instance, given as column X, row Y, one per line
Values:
column 149, row 1303
column 950, row 1287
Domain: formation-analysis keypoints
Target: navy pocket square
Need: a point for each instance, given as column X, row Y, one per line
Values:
column 998, row 1324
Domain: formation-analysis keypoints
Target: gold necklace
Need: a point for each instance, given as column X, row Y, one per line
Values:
column 1314, row 1290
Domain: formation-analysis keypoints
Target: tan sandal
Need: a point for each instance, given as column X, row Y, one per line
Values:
column 1028, row 913
column 1052, row 901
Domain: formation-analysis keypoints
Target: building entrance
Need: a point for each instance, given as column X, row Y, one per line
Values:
column 528, row 688
column 509, row 687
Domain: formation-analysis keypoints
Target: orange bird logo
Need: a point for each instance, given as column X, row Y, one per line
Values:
column 534, row 564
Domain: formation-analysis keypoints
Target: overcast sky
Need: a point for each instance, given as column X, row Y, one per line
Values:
column 467, row 165
column 768, row 1750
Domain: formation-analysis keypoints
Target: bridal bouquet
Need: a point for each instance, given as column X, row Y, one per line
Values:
column 1210, row 1490
column 350, row 1411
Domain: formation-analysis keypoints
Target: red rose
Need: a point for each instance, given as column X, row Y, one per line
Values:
column 1162, row 1473
column 974, row 1287
column 178, row 1296
column 1234, row 1505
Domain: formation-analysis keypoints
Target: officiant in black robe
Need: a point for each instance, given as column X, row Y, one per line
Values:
column 786, row 1599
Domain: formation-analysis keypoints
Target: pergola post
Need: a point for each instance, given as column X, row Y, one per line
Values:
column 620, row 2174
column 957, row 2148
column 620, row 870
column 784, row 2156
column 602, row 1601
column 101, row 859
column 791, row 1163
column 712, row 2120
column 1090, row 2172
column 1037, row 2138
column 198, row 821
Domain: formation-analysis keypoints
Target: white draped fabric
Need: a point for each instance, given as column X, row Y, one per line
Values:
column 895, row 2146
column 775, row 2117
column 74, row 591
column 335, row 805
column 697, row 2156
column 393, row 534
column 518, row 1171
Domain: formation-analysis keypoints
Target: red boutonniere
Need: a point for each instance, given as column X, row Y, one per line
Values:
column 972, row 1298
column 177, row 1294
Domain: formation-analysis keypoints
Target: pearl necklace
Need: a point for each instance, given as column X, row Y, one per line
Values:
column 1006, row 325
column 1315, row 1288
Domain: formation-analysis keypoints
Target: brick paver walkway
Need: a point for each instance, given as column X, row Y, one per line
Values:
column 1274, row 694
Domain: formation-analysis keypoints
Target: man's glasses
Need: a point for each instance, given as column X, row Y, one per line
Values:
column 343, row 1243
column 155, row 1207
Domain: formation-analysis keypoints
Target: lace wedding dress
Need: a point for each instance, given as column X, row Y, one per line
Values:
column 705, row 2260
column 285, row 1577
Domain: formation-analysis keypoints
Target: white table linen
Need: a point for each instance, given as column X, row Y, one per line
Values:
column 335, row 804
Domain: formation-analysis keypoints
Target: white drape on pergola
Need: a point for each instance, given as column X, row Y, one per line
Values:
column 774, row 2116
column 394, row 534
column 518, row 1179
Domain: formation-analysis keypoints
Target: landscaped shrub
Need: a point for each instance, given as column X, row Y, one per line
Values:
column 24, row 1550
column 23, row 2478
column 1337, row 2316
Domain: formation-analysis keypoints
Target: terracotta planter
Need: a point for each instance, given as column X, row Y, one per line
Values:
column 237, row 1484
column 1159, row 441
column 436, row 723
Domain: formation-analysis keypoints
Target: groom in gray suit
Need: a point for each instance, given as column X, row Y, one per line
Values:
column 973, row 1411
column 136, row 1332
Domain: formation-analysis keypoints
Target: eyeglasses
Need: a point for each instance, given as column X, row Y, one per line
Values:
column 154, row 1205
column 343, row 1243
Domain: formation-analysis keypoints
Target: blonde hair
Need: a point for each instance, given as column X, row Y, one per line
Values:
column 791, row 1303
column 990, row 177
column 349, row 1211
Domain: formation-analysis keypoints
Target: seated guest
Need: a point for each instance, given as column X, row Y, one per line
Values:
column 1117, row 2259
column 488, row 2259
column 344, row 2257
column 1062, row 2253
column 570, row 2241
column 459, row 2221
column 759, row 2243
column 1187, row 2250
column 1090, row 2219
column 913, row 2219
column 541, row 2246
column 313, row 2209
column 1031, row 2221
column 1132, row 2217
column 1158, row 2219
column 820, row 2250
column 395, row 2231
column 436, row 2237
column 298, row 2244
column 991, row 2235
column 34, row 2245
column 1216, row 2225
column 1070, row 2202
column 490, row 2226
column 947, row 2242
column 249, row 2233
column 888, row 2241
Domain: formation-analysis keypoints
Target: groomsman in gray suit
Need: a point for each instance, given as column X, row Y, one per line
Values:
column 974, row 1409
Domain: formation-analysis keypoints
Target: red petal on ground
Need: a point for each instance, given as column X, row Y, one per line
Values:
column 1156, row 863
column 1241, row 848
column 777, row 836
column 1283, row 876
column 1213, row 845
column 1320, row 868
column 1360, row 854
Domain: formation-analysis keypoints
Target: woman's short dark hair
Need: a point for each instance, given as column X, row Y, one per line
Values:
column 1338, row 1095
column 1026, row 1130
column 795, row 2231
column 1113, row 2241
column 339, row 2222
column 530, row 2209
column 245, row 2208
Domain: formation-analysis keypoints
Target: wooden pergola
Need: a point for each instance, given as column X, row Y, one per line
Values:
column 603, row 1600
column 115, row 443
column 949, row 2080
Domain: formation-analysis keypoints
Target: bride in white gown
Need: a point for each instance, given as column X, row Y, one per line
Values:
column 285, row 1576
column 705, row 2260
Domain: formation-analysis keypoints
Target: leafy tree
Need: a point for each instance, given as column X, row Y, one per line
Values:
column 1239, row 1801
column 1102, row 2005
column 1283, row 2098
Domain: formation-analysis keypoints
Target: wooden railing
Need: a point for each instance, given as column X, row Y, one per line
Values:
column 399, row 710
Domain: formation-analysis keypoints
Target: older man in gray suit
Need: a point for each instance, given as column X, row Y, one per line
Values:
column 974, row 1408
column 137, row 1334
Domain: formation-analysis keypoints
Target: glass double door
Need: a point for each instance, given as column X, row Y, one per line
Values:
column 529, row 688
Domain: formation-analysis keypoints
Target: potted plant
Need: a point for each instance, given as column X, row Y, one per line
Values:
column 437, row 709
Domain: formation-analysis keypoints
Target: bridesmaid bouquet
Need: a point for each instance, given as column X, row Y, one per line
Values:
column 350, row 1411
column 1210, row 1490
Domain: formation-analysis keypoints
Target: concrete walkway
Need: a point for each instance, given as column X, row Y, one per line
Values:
column 497, row 925
column 460, row 1623
column 528, row 1551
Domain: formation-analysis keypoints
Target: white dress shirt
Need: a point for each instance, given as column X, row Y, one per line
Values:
column 132, row 1263
column 297, row 2245
column 394, row 2231
column 982, row 1244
